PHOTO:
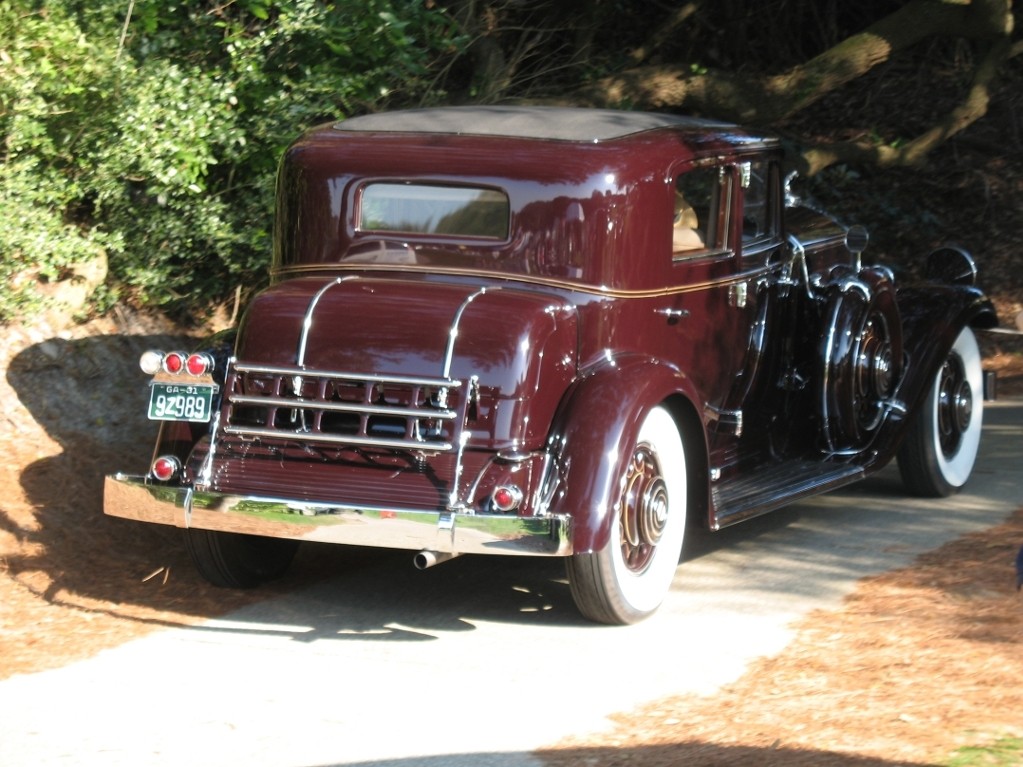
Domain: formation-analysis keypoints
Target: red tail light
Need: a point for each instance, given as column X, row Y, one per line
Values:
column 506, row 498
column 199, row 364
column 165, row 468
column 174, row 362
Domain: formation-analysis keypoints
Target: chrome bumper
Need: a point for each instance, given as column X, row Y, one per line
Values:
column 136, row 497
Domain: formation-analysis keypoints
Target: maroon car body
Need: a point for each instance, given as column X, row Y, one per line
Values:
column 552, row 332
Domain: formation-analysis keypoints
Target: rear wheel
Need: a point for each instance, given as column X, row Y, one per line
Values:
column 233, row 560
column 940, row 448
column 628, row 579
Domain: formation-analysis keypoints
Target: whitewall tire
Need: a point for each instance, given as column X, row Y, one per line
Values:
column 939, row 451
column 628, row 579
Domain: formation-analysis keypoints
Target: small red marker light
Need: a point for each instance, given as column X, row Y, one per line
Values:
column 165, row 467
column 199, row 364
column 506, row 498
column 174, row 362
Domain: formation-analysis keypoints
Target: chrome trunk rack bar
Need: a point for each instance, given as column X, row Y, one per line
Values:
column 421, row 414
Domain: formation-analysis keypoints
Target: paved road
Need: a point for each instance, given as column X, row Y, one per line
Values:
column 479, row 660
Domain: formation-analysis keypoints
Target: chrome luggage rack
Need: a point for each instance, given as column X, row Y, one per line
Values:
column 283, row 403
column 358, row 409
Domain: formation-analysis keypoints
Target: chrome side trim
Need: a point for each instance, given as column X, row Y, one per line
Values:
column 405, row 270
column 453, row 332
column 203, row 478
column 729, row 420
column 799, row 257
column 307, row 321
column 135, row 497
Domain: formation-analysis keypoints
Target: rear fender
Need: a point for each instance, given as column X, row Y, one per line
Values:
column 595, row 431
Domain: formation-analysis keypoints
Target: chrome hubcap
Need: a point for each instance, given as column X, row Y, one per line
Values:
column 644, row 511
column 955, row 406
column 874, row 374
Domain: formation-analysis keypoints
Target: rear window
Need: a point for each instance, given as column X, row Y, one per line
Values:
column 454, row 211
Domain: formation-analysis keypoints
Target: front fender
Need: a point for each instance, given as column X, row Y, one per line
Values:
column 932, row 318
column 595, row 432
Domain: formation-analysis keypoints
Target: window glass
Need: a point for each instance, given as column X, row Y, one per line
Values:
column 434, row 209
column 757, row 218
column 701, row 211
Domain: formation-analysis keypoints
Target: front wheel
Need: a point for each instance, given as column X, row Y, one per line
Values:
column 940, row 448
column 233, row 560
column 628, row 579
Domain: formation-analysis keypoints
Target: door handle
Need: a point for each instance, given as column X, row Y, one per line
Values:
column 673, row 315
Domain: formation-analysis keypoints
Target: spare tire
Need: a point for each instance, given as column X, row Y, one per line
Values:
column 861, row 359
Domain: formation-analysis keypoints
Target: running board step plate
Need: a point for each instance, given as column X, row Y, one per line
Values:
column 760, row 491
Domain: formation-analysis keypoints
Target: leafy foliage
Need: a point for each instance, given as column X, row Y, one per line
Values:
column 40, row 184
column 158, row 148
column 151, row 142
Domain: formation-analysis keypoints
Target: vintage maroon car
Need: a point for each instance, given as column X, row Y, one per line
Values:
column 552, row 332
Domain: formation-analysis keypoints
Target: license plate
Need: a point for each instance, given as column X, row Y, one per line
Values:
column 177, row 402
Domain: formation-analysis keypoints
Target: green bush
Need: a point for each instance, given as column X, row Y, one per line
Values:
column 44, row 117
column 159, row 149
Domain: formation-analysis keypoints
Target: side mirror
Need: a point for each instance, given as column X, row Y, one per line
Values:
column 856, row 239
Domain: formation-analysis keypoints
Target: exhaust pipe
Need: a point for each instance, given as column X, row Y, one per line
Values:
column 425, row 559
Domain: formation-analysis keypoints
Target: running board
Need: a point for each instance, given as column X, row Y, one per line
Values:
column 764, row 490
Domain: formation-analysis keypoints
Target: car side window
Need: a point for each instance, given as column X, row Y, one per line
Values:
column 758, row 216
column 702, row 210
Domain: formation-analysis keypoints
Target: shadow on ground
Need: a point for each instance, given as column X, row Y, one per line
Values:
column 692, row 754
column 89, row 396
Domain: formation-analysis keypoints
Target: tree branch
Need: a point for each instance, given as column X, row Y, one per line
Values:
column 664, row 32
column 774, row 98
column 972, row 108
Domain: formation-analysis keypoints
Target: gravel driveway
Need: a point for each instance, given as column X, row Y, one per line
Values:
column 477, row 661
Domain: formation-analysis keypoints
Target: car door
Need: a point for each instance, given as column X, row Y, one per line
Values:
column 756, row 294
column 729, row 214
